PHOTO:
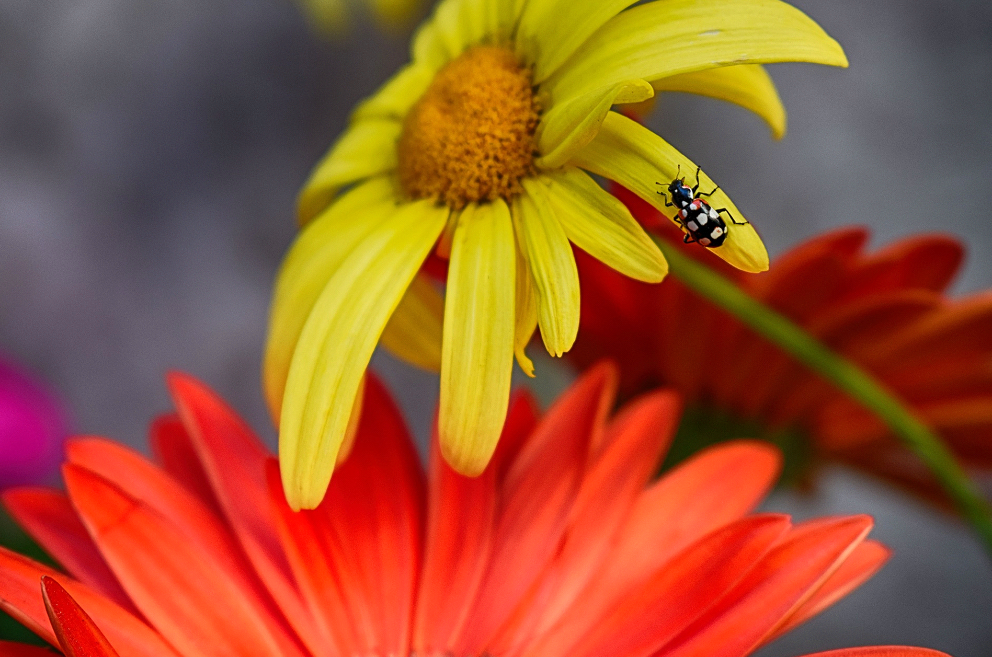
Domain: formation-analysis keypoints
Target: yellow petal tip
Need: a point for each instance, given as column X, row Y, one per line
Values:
column 525, row 363
column 463, row 459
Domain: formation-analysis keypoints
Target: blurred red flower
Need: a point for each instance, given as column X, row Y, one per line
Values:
column 886, row 310
column 563, row 546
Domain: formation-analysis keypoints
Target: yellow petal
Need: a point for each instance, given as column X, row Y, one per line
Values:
column 602, row 226
column 551, row 30
column 567, row 127
column 477, row 356
column 414, row 331
column 337, row 342
column 352, row 431
column 450, row 30
column 457, row 25
column 366, row 149
column 549, row 256
column 660, row 39
column 395, row 98
column 314, row 257
column 630, row 154
column 748, row 85
column 428, row 48
column 524, row 313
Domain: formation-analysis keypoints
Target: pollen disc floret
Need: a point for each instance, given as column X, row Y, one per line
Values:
column 471, row 135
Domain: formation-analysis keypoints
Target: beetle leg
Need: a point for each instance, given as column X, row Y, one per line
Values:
column 698, row 169
column 732, row 218
column 665, row 196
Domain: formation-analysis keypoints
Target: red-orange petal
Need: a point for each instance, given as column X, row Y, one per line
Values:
column 787, row 577
column 190, row 595
column 648, row 616
column 143, row 481
column 174, row 451
column 882, row 651
column 636, row 440
column 963, row 326
column 234, row 460
column 921, row 262
column 20, row 597
column 323, row 589
column 864, row 562
column 461, row 516
column 521, row 420
column 538, row 494
column 49, row 518
column 356, row 556
column 713, row 488
column 77, row 633
column 375, row 504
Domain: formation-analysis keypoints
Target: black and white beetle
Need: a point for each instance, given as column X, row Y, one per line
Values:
column 700, row 220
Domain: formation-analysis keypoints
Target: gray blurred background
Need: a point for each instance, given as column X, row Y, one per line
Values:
column 150, row 153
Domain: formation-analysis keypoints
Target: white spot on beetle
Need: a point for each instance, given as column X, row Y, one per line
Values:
column 692, row 225
column 716, row 233
column 702, row 219
column 704, row 241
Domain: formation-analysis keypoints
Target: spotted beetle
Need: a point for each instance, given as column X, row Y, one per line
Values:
column 702, row 222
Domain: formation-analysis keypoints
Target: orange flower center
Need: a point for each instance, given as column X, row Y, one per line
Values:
column 471, row 136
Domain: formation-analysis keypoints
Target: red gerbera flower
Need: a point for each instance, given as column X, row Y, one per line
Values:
column 563, row 546
column 886, row 310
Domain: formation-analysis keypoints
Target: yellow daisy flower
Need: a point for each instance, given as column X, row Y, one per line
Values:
column 480, row 149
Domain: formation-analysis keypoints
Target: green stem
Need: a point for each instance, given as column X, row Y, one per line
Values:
column 842, row 373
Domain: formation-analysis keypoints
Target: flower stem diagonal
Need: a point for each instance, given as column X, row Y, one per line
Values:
column 847, row 376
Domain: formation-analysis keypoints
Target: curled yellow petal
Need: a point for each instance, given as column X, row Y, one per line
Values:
column 524, row 314
column 630, row 154
column 477, row 352
column 748, row 85
column 366, row 149
column 314, row 257
column 337, row 342
column 549, row 255
column 599, row 224
column 414, row 331
column 660, row 39
column 567, row 127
